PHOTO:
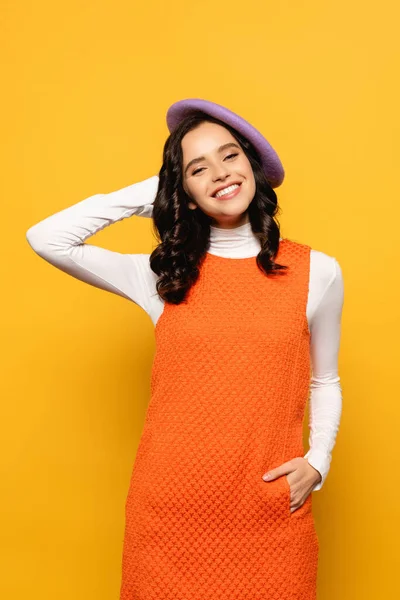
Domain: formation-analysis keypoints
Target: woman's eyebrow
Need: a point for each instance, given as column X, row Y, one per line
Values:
column 201, row 158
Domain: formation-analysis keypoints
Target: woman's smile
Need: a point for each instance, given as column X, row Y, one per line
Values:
column 231, row 194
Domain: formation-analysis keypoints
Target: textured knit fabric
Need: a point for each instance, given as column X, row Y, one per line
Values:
column 229, row 387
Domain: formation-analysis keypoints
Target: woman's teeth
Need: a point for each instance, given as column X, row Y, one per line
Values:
column 227, row 190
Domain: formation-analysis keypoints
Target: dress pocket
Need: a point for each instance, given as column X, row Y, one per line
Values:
column 286, row 487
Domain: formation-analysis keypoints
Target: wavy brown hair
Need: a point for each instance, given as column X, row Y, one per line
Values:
column 184, row 233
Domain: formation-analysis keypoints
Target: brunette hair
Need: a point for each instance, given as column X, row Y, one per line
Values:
column 184, row 233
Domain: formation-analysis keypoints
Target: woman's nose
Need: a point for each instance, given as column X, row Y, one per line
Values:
column 220, row 173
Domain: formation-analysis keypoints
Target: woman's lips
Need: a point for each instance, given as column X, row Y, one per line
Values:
column 230, row 195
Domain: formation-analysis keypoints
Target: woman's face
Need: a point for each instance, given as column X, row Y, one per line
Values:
column 214, row 169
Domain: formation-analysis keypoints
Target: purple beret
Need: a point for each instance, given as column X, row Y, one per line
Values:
column 272, row 165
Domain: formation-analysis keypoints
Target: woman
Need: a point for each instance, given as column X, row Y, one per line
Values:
column 242, row 319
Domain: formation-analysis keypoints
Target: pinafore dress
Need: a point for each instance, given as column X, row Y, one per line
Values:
column 229, row 387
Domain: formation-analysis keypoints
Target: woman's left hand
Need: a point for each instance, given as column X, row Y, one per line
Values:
column 302, row 477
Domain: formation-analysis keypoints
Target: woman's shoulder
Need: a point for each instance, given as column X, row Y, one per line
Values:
column 325, row 273
column 324, row 267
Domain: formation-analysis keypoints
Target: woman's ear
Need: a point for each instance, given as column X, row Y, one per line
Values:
column 192, row 205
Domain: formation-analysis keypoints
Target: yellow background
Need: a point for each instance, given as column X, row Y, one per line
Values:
column 85, row 89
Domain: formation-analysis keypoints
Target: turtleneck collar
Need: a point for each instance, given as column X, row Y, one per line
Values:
column 239, row 242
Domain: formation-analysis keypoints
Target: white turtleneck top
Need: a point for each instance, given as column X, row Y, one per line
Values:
column 60, row 240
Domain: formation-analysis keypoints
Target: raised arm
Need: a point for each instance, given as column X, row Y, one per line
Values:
column 326, row 392
column 59, row 239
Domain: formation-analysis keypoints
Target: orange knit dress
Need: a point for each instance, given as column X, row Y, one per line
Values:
column 229, row 387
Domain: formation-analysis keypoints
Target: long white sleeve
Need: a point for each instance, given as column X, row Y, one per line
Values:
column 325, row 388
column 59, row 239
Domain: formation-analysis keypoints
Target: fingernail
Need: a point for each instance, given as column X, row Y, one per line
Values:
column 266, row 477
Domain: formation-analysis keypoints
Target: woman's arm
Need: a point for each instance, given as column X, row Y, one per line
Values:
column 59, row 239
column 326, row 392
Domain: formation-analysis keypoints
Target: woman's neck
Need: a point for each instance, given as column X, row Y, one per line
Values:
column 238, row 242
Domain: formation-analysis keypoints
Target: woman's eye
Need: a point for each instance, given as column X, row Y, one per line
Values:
column 201, row 169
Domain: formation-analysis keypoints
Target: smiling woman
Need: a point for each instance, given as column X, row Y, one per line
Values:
column 241, row 318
